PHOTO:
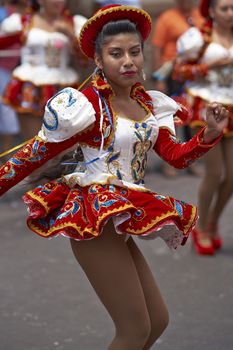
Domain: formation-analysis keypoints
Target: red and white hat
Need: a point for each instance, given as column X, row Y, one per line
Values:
column 109, row 13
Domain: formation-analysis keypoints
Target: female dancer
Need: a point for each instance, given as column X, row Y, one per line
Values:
column 50, row 38
column 115, row 122
column 207, row 64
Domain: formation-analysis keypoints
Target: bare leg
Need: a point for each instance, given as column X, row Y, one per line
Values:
column 110, row 267
column 195, row 168
column 155, row 304
column 213, row 164
column 225, row 189
column 29, row 124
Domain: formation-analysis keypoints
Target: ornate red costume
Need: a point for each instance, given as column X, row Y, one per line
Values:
column 115, row 149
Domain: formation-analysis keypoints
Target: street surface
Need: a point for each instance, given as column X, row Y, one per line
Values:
column 46, row 303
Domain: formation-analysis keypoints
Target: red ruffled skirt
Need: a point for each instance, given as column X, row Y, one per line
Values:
column 25, row 97
column 82, row 212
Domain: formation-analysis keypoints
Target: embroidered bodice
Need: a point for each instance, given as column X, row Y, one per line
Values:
column 217, row 84
column 125, row 159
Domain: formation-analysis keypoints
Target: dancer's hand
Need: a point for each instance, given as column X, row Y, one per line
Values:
column 216, row 119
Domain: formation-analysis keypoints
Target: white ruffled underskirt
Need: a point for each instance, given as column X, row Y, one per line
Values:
column 212, row 93
column 84, row 179
column 43, row 75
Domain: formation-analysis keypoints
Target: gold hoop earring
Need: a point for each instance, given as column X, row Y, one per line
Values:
column 103, row 76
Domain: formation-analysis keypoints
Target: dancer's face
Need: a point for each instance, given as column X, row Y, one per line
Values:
column 121, row 59
column 53, row 7
column 222, row 13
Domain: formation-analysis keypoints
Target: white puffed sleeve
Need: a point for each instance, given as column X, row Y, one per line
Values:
column 164, row 108
column 79, row 21
column 66, row 114
column 12, row 24
column 189, row 44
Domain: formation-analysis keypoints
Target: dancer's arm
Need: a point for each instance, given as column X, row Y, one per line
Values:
column 182, row 154
column 68, row 115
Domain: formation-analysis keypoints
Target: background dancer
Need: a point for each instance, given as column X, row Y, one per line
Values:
column 50, row 38
column 169, row 26
column 207, row 66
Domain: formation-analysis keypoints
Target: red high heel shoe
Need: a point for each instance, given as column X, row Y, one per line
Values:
column 202, row 243
column 217, row 242
column 215, row 237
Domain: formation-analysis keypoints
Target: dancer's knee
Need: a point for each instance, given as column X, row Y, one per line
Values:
column 136, row 333
column 157, row 328
column 228, row 184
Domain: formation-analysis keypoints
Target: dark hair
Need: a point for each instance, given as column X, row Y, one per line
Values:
column 213, row 3
column 34, row 5
column 115, row 28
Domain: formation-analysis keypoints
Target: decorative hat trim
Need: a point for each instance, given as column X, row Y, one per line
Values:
column 106, row 14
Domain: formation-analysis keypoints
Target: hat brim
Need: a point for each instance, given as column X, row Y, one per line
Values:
column 204, row 8
column 95, row 24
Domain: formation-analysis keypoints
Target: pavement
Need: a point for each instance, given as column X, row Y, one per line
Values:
column 46, row 303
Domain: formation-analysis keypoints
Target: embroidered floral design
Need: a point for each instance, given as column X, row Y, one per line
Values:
column 139, row 214
column 140, row 148
column 71, row 208
column 31, row 153
column 103, row 201
column 105, row 197
column 179, row 208
column 49, row 187
column 113, row 163
column 96, row 188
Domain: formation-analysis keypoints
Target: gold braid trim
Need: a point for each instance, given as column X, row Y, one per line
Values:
column 188, row 226
column 14, row 148
column 91, row 230
column 155, row 221
column 151, row 224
